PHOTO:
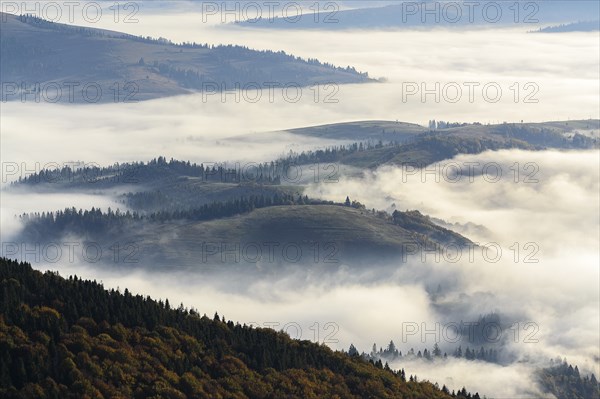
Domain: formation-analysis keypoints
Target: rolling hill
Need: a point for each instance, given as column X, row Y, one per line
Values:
column 386, row 131
column 432, row 14
column 163, row 185
column 253, row 236
column 65, row 63
column 583, row 26
column 419, row 146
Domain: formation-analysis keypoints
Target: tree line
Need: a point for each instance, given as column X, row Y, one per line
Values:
column 391, row 353
column 41, row 225
column 155, row 171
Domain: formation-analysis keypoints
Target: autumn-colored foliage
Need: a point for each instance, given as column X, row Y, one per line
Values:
column 73, row 339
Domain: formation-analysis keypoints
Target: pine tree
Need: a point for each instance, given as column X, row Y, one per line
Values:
column 436, row 350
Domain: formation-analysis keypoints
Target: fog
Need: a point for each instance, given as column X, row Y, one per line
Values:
column 553, row 302
column 553, row 221
column 105, row 134
column 18, row 202
column 557, row 215
column 563, row 67
column 522, row 384
column 555, row 75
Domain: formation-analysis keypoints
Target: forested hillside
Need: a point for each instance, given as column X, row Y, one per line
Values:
column 73, row 339
column 565, row 382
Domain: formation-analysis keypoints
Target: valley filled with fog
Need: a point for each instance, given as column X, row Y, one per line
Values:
column 541, row 291
column 562, row 87
column 533, row 215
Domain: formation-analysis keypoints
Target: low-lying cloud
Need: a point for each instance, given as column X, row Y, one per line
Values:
column 549, row 300
column 553, row 221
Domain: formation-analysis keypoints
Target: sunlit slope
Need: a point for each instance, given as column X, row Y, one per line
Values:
column 129, row 68
column 363, row 130
column 420, row 146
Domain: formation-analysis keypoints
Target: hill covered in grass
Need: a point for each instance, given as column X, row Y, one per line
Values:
column 419, row 146
column 386, row 131
column 73, row 339
column 259, row 232
column 127, row 68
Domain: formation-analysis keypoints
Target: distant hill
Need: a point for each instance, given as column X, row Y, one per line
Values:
column 586, row 26
column 73, row 339
column 375, row 143
column 411, row 144
column 165, row 185
column 386, row 131
column 73, row 62
column 432, row 14
column 178, row 206
column 335, row 234
column 250, row 232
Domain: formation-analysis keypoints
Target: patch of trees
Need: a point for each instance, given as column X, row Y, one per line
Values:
column 433, row 124
column 155, row 171
column 185, row 195
column 72, row 339
column 333, row 153
column 427, row 148
column 231, row 69
column 561, row 379
column 544, row 137
column 41, row 226
column 423, row 150
column 392, row 353
column 582, row 26
column 31, row 19
column 419, row 223
column 442, row 146
column 566, row 382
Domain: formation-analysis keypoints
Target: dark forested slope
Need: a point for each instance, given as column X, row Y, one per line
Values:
column 73, row 339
